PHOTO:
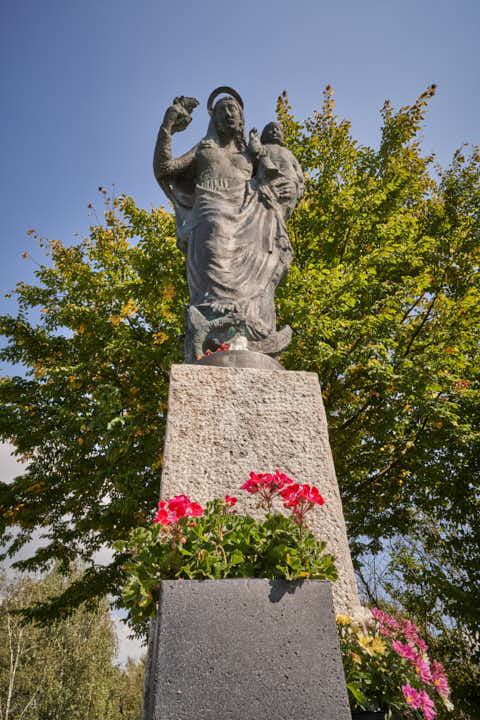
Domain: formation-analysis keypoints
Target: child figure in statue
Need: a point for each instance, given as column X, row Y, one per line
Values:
column 277, row 168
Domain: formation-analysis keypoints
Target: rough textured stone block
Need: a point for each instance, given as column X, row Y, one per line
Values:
column 245, row 650
column 224, row 422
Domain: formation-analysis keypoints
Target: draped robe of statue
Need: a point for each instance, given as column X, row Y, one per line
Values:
column 234, row 235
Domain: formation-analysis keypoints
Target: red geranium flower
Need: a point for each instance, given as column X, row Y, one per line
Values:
column 266, row 485
column 178, row 507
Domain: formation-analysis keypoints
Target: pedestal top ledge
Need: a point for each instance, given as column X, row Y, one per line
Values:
column 240, row 359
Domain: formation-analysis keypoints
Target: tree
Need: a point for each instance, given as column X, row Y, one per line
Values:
column 64, row 670
column 89, row 416
column 129, row 690
column 383, row 299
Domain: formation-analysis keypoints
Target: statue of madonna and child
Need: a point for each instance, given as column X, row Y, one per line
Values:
column 232, row 200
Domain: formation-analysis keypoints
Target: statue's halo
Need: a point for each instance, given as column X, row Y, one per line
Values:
column 219, row 91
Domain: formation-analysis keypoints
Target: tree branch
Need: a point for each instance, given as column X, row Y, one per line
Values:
column 419, row 328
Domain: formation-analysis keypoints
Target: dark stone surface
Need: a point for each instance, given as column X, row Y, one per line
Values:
column 245, row 649
column 240, row 359
column 231, row 200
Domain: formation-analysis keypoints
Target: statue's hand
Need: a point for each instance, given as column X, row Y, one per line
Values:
column 266, row 196
column 178, row 117
column 254, row 144
column 282, row 189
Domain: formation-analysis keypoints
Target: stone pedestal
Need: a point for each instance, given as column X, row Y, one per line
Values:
column 224, row 422
column 245, row 649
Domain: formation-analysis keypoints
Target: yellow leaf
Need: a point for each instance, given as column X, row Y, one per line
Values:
column 169, row 292
column 129, row 309
column 159, row 338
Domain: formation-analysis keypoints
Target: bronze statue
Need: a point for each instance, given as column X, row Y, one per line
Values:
column 231, row 202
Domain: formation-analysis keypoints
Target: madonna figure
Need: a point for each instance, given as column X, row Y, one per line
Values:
column 230, row 224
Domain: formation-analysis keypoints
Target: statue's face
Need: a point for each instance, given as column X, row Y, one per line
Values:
column 228, row 116
column 273, row 133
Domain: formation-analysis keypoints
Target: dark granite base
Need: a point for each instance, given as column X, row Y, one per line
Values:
column 245, row 650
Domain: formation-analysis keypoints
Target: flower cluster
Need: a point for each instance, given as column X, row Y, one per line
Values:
column 178, row 507
column 414, row 650
column 419, row 700
column 222, row 348
column 190, row 542
column 387, row 656
column 266, row 485
column 300, row 498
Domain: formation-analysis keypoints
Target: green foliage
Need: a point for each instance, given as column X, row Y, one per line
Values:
column 216, row 546
column 127, row 697
column 384, row 301
column 61, row 671
column 89, row 417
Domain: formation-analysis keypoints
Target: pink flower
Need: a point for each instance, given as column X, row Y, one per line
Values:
column 441, row 685
column 179, row 505
column 405, row 651
column 182, row 506
column 230, row 500
column 427, row 705
column 423, row 669
column 409, row 629
column 412, row 696
column 422, row 646
column 280, row 479
column 438, row 668
column 378, row 614
column 440, row 679
column 163, row 518
column 384, row 630
column 391, row 623
column 301, row 498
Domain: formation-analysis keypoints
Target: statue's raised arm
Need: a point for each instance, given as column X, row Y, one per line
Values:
column 231, row 225
column 177, row 118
